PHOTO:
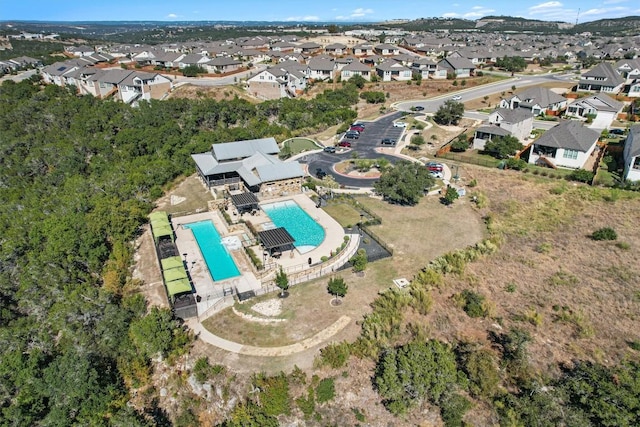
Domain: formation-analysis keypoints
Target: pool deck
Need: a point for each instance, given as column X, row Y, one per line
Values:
column 211, row 292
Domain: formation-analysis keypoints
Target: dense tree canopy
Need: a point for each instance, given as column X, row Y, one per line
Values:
column 79, row 176
column 511, row 63
column 404, row 183
column 449, row 113
column 503, row 146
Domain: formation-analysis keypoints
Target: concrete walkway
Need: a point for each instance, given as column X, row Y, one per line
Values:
column 249, row 350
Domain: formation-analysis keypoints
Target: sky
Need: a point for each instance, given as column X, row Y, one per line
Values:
column 310, row 11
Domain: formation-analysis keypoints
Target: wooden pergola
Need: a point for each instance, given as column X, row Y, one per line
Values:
column 276, row 240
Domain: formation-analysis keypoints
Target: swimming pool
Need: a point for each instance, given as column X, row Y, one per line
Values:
column 219, row 262
column 306, row 232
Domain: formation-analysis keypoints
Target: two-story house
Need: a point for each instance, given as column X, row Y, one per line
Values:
column 602, row 78
column 567, row 145
column 631, row 154
column 539, row 100
column 504, row 122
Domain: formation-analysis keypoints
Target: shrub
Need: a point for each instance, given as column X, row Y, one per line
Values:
column 581, row 175
column 453, row 407
column 326, row 390
column 335, row 354
column 474, row 304
column 516, row 164
column 274, row 393
column 605, row 233
column 203, row 370
column 308, row 405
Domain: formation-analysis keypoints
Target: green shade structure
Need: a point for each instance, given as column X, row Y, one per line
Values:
column 174, row 274
column 179, row 286
column 171, row 262
column 160, row 225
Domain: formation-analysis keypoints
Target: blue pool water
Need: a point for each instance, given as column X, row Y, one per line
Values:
column 307, row 233
column 219, row 262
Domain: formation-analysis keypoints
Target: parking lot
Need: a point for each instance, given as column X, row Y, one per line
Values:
column 365, row 147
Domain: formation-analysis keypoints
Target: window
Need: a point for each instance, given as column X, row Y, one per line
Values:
column 570, row 154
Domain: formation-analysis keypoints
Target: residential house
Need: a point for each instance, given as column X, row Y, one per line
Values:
column 281, row 46
column 193, row 59
column 504, row 122
column 629, row 69
column 55, row 73
column 222, row 65
column 335, row 49
column 428, row 68
column 251, row 164
column 568, row 145
column 391, row 70
column 168, row 60
column 363, row 49
column 79, row 51
column 307, row 48
column 386, row 49
column 631, row 155
column 601, row 107
column 281, row 81
column 539, row 100
column 320, row 68
column 459, row 67
column 143, row 86
column 634, row 89
column 355, row 68
column 602, row 78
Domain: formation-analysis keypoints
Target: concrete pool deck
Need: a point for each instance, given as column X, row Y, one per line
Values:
column 212, row 292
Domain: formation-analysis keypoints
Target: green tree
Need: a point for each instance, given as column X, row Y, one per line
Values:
column 337, row 287
column 450, row 195
column 511, row 63
column 282, row 281
column 449, row 113
column 357, row 80
column 417, row 370
column 192, row 71
column 582, row 175
column 404, row 183
column 503, row 146
column 460, row 143
column 157, row 333
column 373, row 97
column 359, row 260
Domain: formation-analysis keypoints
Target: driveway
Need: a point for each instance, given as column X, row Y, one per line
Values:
column 364, row 147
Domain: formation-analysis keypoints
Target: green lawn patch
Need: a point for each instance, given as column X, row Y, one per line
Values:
column 300, row 145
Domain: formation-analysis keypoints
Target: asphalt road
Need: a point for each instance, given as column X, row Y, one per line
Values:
column 364, row 147
column 431, row 105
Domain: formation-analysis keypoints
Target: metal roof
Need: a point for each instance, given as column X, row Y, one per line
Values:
column 275, row 238
column 244, row 199
column 244, row 149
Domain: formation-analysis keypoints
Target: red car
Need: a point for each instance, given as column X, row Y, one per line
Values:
column 344, row 144
column 434, row 167
column 357, row 128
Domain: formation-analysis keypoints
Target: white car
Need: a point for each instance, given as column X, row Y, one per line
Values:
column 399, row 125
column 456, row 97
column 437, row 175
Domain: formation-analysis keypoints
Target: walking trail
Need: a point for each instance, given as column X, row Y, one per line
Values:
column 250, row 350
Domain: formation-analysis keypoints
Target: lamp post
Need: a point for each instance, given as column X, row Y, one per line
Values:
column 360, row 225
column 185, row 257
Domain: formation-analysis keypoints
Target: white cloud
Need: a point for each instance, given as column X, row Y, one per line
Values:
column 551, row 10
column 476, row 12
column 606, row 11
column 303, row 18
column 615, row 1
column 360, row 12
column 172, row 16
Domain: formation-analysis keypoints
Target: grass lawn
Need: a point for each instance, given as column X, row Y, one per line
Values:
column 299, row 145
column 473, row 157
column 417, row 234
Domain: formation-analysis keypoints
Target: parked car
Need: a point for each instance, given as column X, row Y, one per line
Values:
column 320, row 173
column 456, row 97
column 330, row 149
column 356, row 128
column 388, row 141
column 359, row 124
column 344, row 144
column 352, row 135
column 434, row 166
column 436, row 174
column 616, row 131
column 418, row 108
column 399, row 125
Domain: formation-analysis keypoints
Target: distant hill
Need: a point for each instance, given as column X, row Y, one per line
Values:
column 627, row 26
column 619, row 26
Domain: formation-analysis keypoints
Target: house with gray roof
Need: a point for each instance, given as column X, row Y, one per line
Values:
column 222, row 64
column 285, row 80
column 600, row 106
column 459, row 67
column 504, row 122
column 568, row 145
column 537, row 99
column 335, row 49
column 320, row 68
column 631, row 155
column 392, row 70
column 386, row 49
column 355, row 68
column 601, row 78
column 252, row 165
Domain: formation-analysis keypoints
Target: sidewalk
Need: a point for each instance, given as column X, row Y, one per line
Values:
column 249, row 350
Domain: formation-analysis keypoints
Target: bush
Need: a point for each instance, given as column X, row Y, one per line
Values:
column 335, row 354
column 453, row 407
column 581, row 175
column 326, row 390
column 203, row 370
column 605, row 233
column 516, row 164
